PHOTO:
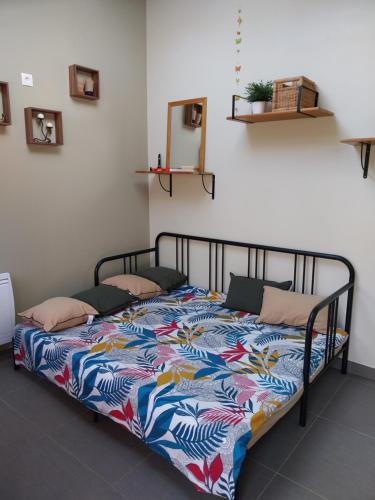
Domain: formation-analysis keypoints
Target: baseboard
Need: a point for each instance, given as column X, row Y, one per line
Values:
column 356, row 369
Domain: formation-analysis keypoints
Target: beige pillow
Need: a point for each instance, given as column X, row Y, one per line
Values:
column 138, row 286
column 59, row 313
column 290, row 308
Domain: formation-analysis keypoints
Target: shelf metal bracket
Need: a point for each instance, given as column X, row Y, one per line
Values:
column 366, row 160
column 212, row 192
column 170, row 185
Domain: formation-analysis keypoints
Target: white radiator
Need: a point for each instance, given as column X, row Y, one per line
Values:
column 7, row 312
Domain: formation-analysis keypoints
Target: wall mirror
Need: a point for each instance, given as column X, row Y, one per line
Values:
column 186, row 135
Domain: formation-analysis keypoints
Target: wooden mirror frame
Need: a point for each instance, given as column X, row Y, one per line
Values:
column 202, row 151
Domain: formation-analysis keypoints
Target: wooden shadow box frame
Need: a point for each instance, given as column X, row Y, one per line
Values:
column 4, row 87
column 57, row 115
column 74, row 71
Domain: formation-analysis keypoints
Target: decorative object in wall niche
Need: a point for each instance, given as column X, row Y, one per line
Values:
column 365, row 143
column 43, row 127
column 258, row 94
column 5, row 116
column 83, row 82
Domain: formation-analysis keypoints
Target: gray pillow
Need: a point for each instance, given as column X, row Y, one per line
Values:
column 106, row 299
column 246, row 294
column 166, row 278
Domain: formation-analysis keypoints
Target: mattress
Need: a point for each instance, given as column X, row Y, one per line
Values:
column 198, row 383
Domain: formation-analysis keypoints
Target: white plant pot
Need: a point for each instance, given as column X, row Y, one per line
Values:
column 258, row 107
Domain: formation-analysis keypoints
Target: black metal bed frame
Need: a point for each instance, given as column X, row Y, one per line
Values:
column 259, row 254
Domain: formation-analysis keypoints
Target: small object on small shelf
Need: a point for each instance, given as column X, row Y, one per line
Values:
column 193, row 115
column 291, row 94
column 258, row 94
column 41, row 132
column 365, row 143
column 83, row 82
column 159, row 160
column 5, row 117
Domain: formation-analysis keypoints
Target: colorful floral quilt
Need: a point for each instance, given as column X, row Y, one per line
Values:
column 191, row 379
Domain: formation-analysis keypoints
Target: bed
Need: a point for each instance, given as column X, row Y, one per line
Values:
column 198, row 383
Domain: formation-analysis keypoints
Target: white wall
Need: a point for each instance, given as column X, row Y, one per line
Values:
column 63, row 208
column 284, row 183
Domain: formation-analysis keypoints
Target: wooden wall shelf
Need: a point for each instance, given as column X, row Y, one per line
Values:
column 5, row 116
column 365, row 143
column 36, row 131
column 170, row 174
column 78, row 88
column 274, row 116
column 278, row 115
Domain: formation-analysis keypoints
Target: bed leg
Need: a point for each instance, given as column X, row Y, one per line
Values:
column 303, row 409
column 344, row 362
column 15, row 367
column 95, row 416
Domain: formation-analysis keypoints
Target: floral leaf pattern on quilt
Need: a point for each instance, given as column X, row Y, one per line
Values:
column 193, row 380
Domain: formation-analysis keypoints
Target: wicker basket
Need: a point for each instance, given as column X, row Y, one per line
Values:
column 286, row 90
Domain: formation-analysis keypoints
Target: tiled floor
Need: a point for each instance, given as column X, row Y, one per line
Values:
column 50, row 449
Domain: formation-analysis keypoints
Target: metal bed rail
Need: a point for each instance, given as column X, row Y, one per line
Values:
column 257, row 257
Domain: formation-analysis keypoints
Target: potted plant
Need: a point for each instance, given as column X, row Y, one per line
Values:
column 258, row 94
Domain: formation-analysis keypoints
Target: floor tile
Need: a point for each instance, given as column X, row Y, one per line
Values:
column 43, row 471
column 324, row 388
column 46, row 405
column 283, row 489
column 354, row 406
column 105, row 446
column 157, row 478
column 274, row 447
column 252, row 479
column 15, row 432
column 10, row 379
column 362, row 380
column 335, row 462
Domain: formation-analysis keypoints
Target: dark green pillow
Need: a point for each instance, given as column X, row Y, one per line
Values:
column 246, row 294
column 105, row 299
column 166, row 278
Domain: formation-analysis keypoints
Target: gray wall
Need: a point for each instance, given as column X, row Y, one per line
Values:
column 61, row 209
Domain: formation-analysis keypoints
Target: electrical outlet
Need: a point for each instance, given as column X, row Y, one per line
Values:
column 27, row 79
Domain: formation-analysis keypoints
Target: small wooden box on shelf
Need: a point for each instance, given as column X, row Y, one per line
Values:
column 83, row 82
column 50, row 133
column 5, row 116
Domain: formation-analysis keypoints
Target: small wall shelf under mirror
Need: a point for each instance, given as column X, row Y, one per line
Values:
column 277, row 115
column 83, row 82
column 5, row 116
column 43, row 127
column 365, row 143
column 170, row 174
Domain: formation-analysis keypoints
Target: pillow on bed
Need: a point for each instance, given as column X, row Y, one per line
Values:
column 59, row 313
column 106, row 299
column 136, row 285
column 166, row 278
column 246, row 294
column 291, row 308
